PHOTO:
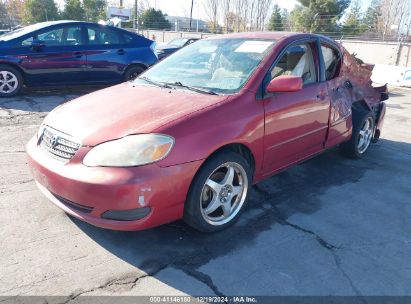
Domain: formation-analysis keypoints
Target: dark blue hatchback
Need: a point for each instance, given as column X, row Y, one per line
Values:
column 71, row 53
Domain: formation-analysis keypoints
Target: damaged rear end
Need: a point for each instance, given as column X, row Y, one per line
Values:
column 365, row 94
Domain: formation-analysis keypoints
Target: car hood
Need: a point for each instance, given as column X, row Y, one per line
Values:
column 123, row 110
column 166, row 48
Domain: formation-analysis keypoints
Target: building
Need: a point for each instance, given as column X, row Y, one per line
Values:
column 183, row 24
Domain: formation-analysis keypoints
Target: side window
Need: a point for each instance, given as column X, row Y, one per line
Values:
column 332, row 61
column 26, row 42
column 298, row 60
column 63, row 36
column 51, row 38
column 100, row 36
column 73, row 36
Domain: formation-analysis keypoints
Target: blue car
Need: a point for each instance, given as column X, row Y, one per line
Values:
column 71, row 53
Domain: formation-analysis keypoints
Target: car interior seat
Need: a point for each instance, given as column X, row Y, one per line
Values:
column 77, row 37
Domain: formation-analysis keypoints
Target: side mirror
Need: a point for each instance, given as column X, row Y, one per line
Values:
column 283, row 84
column 37, row 45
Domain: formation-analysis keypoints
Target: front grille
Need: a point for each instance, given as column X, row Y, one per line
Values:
column 58, row 145
column 72, row 205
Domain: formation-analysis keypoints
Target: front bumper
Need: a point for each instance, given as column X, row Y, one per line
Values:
column 88, row 192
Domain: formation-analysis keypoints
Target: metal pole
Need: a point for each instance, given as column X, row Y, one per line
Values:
column 198, row 14
column 135, row 14
column 191, row 13
column 121, row 3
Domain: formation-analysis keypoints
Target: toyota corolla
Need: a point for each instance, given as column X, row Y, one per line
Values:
column 190, row 136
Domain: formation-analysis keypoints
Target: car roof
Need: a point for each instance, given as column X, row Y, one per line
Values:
column 265, row 35
column 38, row 26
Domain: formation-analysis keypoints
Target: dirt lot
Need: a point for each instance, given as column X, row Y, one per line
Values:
column 330, row 226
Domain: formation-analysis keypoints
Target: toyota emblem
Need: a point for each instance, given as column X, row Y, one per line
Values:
column 54, row 140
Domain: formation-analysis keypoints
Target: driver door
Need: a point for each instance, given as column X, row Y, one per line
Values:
column 60, row 59
column 296, row 123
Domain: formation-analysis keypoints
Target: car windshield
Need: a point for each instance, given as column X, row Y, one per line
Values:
column 177, row 42
column 22, row 31
column 217, row 65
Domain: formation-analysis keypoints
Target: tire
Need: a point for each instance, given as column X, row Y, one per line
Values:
column 11, row 81
column 133, row 72
column 211, row 209
column 362, row 135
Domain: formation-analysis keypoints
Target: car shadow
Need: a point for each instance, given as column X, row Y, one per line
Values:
column 44, row 99
column 272, row 202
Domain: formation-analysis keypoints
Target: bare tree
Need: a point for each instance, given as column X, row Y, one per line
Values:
column 395, row 14
column 211, row 9
column 225, row 10
column 242, row 15
column 262, row 12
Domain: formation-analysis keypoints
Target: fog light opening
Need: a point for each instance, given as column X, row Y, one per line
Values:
column 126, row 215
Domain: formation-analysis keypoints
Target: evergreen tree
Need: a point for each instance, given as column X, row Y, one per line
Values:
column 353, row 24
column 73, row 10
column 154, row 19
column 276, row 20
column 39, row 11
column 372, row 16
column 318, row 15
column 95, row 10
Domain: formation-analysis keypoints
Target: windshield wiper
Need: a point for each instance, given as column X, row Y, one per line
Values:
column 195, row 89
column 159, row 84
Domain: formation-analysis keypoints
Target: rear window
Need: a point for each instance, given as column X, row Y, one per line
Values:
column 103, row 36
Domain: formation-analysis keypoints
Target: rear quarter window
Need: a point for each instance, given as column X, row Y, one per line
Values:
column 128, row 39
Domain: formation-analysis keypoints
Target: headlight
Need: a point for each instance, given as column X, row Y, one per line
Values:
column 133, row 150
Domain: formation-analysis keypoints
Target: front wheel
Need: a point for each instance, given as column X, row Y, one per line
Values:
column 218, row 193
column 133, row 72
column 362, row 134
column 11, row 81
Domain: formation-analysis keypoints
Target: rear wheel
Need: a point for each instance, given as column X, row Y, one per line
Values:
column 363, row 132
column 11, row 81
column 218, row 193
column 133, row 72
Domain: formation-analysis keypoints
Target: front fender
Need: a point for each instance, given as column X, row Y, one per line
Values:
column 238, row 120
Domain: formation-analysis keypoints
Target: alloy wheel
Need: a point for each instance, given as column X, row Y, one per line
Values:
column 8, row 82
column 224, row 194
column 365, row 135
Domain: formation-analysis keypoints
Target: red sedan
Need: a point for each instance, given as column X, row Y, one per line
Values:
column 189, row 137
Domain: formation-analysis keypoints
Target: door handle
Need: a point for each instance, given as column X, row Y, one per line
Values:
column 121, row 52
column 77, row 54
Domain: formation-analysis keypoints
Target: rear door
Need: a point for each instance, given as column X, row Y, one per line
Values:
column 108, row 53
column 61, row 58
column 296, row 123
column 339, row 90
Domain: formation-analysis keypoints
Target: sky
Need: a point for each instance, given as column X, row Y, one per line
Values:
column 182, row 7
